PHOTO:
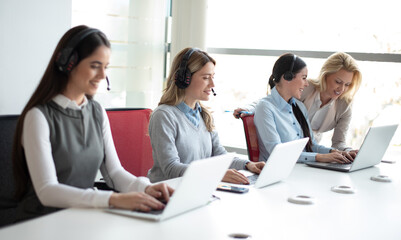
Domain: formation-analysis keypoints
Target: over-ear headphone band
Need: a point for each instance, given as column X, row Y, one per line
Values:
column 65, row 60
column 293, row 63
column 289, row 75
column 185, row 59
column 183, row 74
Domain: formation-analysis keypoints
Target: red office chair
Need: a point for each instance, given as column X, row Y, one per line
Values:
column 251, row 138
column 129, row 128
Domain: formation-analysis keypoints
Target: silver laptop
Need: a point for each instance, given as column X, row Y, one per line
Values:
column 373, row 148
column 280, row 163
column 195, row 189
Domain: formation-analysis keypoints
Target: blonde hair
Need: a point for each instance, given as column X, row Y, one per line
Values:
column 172, row 95
column 335, row 63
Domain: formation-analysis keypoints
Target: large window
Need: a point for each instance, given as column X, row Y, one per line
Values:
column 136, row 30
column 247, row 37
column 341, row 25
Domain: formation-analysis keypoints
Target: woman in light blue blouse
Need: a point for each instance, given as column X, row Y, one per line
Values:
column 280, row 117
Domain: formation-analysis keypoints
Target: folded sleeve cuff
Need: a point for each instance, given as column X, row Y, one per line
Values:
column 102, row 199
column 140, row 184
column 307, row 157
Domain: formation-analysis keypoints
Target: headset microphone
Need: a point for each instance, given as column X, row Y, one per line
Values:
column 214, row 94
column 108, row 84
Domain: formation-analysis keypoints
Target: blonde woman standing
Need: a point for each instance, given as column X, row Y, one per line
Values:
column 328, row 98
column 280, row 117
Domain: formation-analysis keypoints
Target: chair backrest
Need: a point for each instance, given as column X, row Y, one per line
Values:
column 251, row 138
column 129, row 128
column 8, row 204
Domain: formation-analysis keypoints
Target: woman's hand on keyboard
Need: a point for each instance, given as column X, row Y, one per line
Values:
column 233, row 176
column 137, row 201
column 255, row 167
column 160, row 191
column 335, row 156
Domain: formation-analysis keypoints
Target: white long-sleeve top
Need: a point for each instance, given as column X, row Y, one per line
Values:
column 38, row 153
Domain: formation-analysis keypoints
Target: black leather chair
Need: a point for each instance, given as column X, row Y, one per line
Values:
column 8, row 205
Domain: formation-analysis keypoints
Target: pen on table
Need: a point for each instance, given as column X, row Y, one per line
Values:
column 216, row 197
column 245, row 112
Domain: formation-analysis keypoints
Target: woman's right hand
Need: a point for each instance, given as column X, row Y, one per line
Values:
column 233, row 176
column 237, row 113
column 135, row 201
column 334, row 156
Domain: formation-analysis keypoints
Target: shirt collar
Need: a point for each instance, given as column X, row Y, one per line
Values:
column 319, row 101
column 292, row 101
column 281, row 103
column 65, row 102
column 186, row 109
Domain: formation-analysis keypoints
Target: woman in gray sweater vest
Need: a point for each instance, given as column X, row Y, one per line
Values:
column 181, row 129
column 63, row 138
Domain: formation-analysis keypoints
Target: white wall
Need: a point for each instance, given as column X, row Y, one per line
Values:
column 29, row 33
column 31, row 29
column 188, row 27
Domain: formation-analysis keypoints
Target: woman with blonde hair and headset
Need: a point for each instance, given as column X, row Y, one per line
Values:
column 181, row 128
column 328, row 98
column 281, row 117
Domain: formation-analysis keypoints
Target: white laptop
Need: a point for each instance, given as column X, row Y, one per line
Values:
column 195, row 189
column 373, row 148
column 280, row 163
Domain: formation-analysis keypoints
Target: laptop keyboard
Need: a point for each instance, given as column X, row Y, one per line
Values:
column 153, row 211
column 252, row 179
column 157, row 212
column 340, row 165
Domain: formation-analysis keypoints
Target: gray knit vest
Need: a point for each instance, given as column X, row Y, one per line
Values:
column 76, row 139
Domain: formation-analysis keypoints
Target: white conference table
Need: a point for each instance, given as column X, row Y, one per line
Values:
column 373, row 212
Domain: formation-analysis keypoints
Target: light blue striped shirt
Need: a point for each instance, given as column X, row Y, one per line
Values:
column 191, row 114
column 276, row 123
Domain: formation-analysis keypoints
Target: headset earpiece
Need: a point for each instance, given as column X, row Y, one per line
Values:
column 67, row 58
column 65, row 63
column 289, row 75
column 183, row 74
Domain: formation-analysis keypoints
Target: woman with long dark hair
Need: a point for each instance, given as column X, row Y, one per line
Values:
column 63, row 137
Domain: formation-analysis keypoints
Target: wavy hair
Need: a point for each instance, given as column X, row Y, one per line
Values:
column 172, row 95
column 335, row 63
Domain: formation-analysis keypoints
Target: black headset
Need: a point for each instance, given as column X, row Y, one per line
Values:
column 183, row 74
column 67, row 58
column 289, row 75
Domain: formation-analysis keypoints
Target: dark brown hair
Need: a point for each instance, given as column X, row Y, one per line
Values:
column 281, row 66
column 52, row 83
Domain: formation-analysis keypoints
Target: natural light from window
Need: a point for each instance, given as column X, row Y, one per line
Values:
column 305, row 26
